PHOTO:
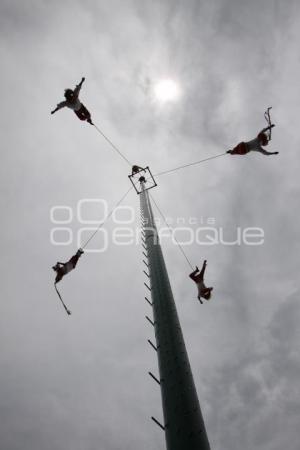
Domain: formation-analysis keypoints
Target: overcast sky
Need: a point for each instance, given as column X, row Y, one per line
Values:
column 81, row 382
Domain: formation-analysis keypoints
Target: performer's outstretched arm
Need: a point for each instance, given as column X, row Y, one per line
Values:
column 203, row 269
column 78, row 87
column 264, row 152
column 59, row 106
column 267, row 128
column 193, row 274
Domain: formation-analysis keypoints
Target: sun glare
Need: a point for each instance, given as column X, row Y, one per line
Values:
column 166, row 91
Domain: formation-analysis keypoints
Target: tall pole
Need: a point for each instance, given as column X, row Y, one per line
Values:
column 184, row 426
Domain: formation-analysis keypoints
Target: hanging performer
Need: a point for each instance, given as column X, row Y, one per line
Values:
column 136, row 169
column 72, row 101
column 262, row 139
column 198, row 278
column 62, row 269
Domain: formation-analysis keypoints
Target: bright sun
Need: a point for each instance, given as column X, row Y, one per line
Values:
column 166, row 91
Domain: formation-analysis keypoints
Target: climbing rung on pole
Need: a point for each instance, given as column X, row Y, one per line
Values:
column 152, row 345
column 158, row 423
column 146, row 273
column 145, row 255
column 149, row 320
column 151, row 304
column 147, row 286
column 154, row 378
column 145, row 263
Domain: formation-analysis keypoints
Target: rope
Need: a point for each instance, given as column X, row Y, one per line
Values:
column 187, row 165
column 64, row 305
column 269, row 122
column 107, row 217
column 112, row 145
column 164, row 219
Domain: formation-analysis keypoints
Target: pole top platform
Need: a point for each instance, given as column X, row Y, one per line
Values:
column 142, row 176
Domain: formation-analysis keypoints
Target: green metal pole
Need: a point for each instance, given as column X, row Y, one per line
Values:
column 184, row 425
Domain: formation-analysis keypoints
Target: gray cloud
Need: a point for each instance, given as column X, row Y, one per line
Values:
column 252, row 394
column 81, row 383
